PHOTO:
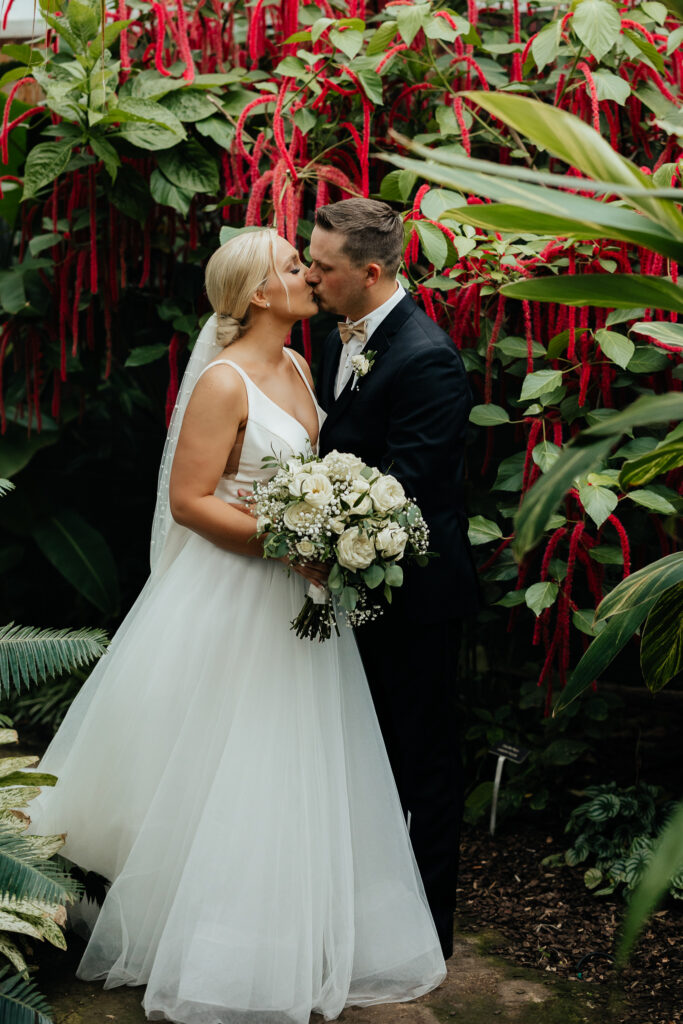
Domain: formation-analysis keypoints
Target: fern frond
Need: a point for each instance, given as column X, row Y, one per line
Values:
column 24, row 876
column 5, row 487
column 21, row 1002
column 30, row 655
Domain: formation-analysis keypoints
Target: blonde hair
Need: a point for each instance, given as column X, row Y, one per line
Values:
column 233, row 274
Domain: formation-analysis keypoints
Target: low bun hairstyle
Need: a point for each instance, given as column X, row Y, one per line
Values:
column 233, row 274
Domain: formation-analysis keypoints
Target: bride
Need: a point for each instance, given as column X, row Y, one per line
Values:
column 228, row 778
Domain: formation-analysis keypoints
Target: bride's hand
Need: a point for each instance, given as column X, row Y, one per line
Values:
column 314, row 572
column 248, row 499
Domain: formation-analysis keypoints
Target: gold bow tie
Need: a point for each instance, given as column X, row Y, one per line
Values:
column 349, row 331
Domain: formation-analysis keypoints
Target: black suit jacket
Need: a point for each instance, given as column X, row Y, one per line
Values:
column 408, row 416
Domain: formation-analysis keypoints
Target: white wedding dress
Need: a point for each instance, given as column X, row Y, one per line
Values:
column 231, row 782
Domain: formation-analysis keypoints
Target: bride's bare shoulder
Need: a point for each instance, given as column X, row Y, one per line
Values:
column 221, row 386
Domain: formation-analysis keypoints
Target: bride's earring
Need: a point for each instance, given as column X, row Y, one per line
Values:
column 267, row 305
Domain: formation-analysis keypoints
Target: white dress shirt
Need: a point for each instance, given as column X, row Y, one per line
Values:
column 354, row 347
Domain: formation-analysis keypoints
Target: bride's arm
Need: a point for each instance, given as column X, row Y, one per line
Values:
column 216, row 410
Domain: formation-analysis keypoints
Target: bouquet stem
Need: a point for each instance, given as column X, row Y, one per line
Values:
column 315, row 620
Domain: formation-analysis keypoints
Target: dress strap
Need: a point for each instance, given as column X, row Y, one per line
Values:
column 301, row 373
column 228, row 362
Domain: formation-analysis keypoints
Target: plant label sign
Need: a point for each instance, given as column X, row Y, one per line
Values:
column 508, row 750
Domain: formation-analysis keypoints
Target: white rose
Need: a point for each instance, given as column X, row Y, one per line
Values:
column 391, row 541
column 337, row 525
column 317, row 490
column 306, row 547
column 358, row 488
column 296, row 484
column 295, row 466
column 341, row 465
column 355, row 550
column 387, row 494
column 298, row 517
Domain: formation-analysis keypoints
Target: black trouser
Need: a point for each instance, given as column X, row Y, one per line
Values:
column 411, row 670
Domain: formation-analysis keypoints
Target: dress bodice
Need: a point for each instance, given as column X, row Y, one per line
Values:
column 270, row 430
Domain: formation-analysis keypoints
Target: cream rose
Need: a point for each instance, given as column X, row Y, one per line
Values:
column 296, row 484
column 317, row 490
column 306, row 547
column 359, row 488
column 341, row 465
column 337, row 525
column 298, row 517
column 387, row 494
column 355, row 550
column 391, row 541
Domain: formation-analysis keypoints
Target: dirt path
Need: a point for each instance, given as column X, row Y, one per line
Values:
column 478, row 990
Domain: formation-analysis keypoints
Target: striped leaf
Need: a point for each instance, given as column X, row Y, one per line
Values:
column 9, row 765
column 30, row 655
column 661, row 650
column 20, row 797
column 651, row 464
column 21, row 1002
column 13, row 953
column 648, row 584
column 24, row 875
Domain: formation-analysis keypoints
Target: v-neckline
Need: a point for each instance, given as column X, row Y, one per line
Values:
column 284, row 411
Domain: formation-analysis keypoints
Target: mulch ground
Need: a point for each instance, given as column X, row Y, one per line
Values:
column 545, row 918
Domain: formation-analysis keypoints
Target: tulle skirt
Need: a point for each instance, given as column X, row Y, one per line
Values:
column 231, row 782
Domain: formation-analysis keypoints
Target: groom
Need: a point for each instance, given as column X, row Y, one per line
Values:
column 407, row 415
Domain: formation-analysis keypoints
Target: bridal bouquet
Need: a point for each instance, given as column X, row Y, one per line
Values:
column 338, row 511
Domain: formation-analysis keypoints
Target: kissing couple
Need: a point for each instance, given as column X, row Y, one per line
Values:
column 278, row 820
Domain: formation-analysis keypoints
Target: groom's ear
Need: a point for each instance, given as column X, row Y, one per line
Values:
column 373, row 272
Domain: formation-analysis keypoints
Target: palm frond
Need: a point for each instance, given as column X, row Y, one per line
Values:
column 30, row 655
column 5, row 487
column 21, row 1002
column 24, row 875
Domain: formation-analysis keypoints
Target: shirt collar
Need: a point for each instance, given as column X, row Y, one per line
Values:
column 375, row 317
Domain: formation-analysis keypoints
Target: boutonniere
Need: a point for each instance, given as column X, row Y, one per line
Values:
column 362, row 364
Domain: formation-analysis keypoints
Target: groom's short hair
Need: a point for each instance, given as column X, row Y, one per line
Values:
column 373, row 232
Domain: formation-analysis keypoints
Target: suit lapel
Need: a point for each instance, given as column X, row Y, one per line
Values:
column 379, row 342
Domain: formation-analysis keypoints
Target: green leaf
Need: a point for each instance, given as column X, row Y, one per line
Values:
column 645, row 411
column 651, row 500
column 592, row 877
column 111, row 33
column 373, row 576
column 146, row 354
column 513, row 598
column 167, row 194
column 190, row 167
column 582, row 619
column 410, row 20
column 662, row 868
column 350, row 42
column 616, row 347
column 29, row 655
column 380, row 40
column 82, row 556
column 482, row 531
column 670, row 334
column 26, row 876
column 537, row 383
column 644, row 586
column 518, row 348
column 107, row 154
column 348, row 598
column 611, row 87
column 545, row 455
column 540, row 596
column 372, row 86
column 189, row 105
column 433, row 243
column 661, row 648
column 488, row 415
column 44, row 163
column 546, row 44
column 147, row 124
column 438, row 201
column 651, row 464
column 12, row 291
column 610, row 290
column 599, row 502
column 542, row 499
column 84, row 20
column 393, row 575
column 564, row 751
column 21, row 1002
column 598, row 26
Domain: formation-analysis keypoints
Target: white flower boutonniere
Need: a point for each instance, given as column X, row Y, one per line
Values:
column 362, row 364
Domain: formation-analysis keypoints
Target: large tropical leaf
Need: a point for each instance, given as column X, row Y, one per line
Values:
column 646, row 410
column 558, row 213
column 661, row 650
column 647, row 466
column 614, row 291
column 666, row 862
column 21, row 1002
column 602, row 651
column 648, row 584
column 30, row 655
column 579, row 145
column 81, row 554
column 26, row 876
column 542, row 499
